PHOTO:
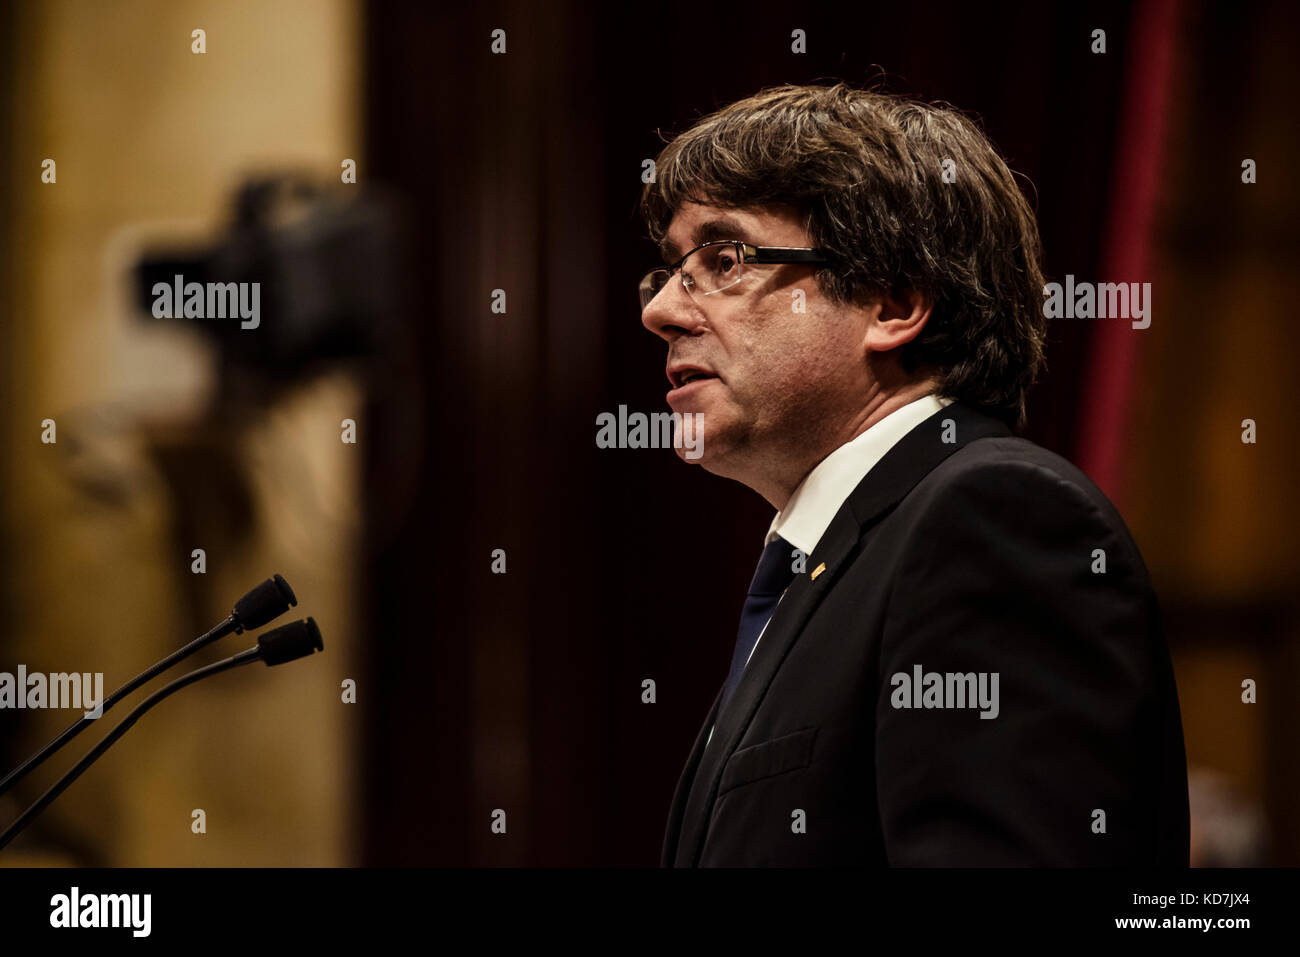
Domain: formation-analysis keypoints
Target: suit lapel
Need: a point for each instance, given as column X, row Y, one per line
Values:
column 916, row 455
column 798, row 603
column 896, row 474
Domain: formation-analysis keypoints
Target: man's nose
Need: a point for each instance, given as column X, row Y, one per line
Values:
column 672, row 312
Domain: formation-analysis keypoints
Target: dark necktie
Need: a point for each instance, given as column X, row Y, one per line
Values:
column 774, row 574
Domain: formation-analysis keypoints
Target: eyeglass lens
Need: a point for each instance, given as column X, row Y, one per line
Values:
column 706, row 270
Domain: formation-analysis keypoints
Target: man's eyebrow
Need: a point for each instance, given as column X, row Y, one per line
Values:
column 705, row 232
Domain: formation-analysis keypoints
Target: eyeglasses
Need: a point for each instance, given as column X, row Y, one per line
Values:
column 714, row 266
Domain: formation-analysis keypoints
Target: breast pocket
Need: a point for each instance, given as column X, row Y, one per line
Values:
column 790, row 752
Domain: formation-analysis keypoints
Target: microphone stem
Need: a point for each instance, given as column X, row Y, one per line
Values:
column 243, row 658
column 80, row 725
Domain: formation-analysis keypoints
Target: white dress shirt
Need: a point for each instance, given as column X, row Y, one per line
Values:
column 826, row 488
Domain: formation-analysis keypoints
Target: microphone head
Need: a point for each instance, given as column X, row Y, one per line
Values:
column 266, row 602
column 298, row 639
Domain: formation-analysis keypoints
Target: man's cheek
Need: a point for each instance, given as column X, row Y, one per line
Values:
column 783, row 388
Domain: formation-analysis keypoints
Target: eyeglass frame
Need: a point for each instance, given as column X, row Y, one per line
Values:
column 761, row 256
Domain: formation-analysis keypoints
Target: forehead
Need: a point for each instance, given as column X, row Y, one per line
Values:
column 696, row 223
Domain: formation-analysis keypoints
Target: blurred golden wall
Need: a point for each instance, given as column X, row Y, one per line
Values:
column 144, row 131
column 1216, row 517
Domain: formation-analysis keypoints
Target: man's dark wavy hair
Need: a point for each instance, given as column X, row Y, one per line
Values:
column 866, row 169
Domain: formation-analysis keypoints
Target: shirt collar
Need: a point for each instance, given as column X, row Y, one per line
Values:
column 819, row 496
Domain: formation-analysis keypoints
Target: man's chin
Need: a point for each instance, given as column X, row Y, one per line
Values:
column 703, row 448
column 693, row 440
column 691, row 456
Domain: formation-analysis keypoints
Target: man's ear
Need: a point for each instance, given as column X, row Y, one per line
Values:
column 898, row 318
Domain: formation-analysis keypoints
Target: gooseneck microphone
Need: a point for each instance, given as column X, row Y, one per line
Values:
column 263, row 604
column 275, row 647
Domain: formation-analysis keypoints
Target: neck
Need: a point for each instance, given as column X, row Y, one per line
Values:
column 778, row 482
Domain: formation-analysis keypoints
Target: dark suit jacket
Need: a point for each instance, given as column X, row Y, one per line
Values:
column 964, row 556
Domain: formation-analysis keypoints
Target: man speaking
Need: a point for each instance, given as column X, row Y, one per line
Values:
column 950, row 653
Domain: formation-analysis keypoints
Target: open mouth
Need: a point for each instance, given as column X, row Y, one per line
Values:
column 680, row 378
